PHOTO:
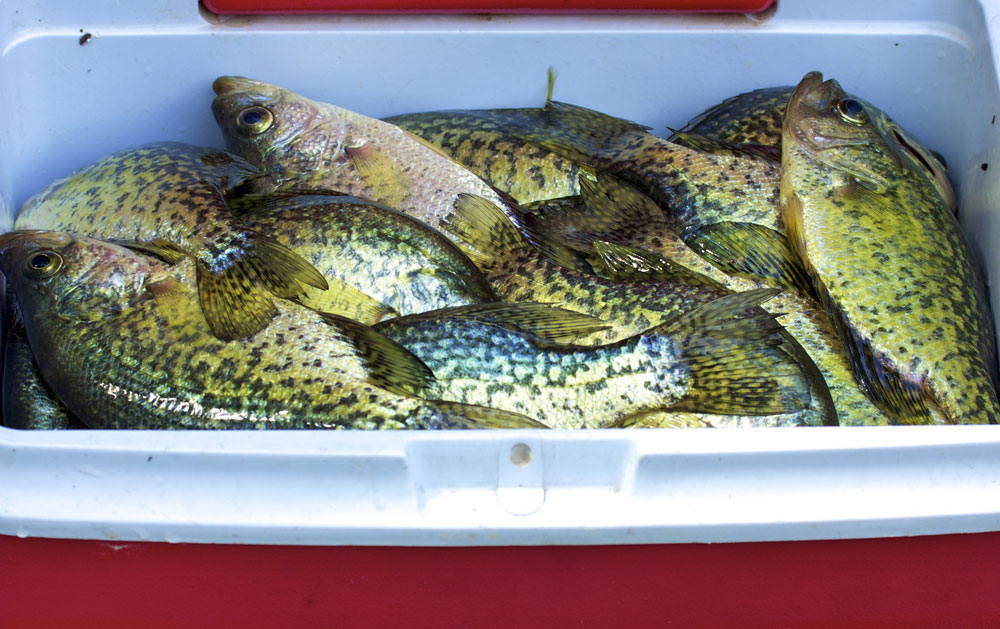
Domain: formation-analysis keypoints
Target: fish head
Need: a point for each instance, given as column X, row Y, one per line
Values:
column 69, row 275
column 837, row 132
column 851, row 136
column 275, row 128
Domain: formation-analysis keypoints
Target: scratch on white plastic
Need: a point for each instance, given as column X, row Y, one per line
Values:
column 520, row 477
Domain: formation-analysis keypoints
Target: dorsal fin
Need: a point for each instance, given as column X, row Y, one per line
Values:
column 543, row 321
column 630, row 263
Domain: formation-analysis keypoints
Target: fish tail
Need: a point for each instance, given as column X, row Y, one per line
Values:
column 237, row 285
column 735, row 358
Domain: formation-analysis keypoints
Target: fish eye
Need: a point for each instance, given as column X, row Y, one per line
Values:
column 43, row 264
column 852, row 111
column 254, row 120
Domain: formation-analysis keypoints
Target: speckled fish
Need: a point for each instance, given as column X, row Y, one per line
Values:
column 754, row 120
column 28, row 403
column 393, row 258
column 708, row 359
column 483, row 142
column 120, row 340
column 308, row 145
column 743, row 242
column 630, row 305
column 750, row 118
column 611, row 212
column 168, row 195
column 888, row 260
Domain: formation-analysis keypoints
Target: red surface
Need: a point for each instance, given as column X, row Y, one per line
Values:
column 938, row 581
column 482, row 6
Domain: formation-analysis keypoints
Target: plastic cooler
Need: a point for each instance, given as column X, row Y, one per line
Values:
column 757, row 526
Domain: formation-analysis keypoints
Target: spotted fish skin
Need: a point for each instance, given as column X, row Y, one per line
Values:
column 169, row 194
column 394, row 258
column 482, row 141
column 888, row 259
column 119, row 338
column 753, row 117
column 570, row 386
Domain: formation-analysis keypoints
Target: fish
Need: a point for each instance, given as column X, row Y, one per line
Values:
column 753, row 117
column 395, row 259
column 753, row 120
column 708, row 359
column 28, row 403
column 119, row 338
column 309, row 145
column 888, row 260
column 746, row 253
column 169, row 197
column 629, row 305
column 484, row 141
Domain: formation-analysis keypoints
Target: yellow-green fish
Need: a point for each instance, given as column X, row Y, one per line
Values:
column 120, row 339
column 709, row 359
column 753, row 120
column 630, row 305
column 887, row 258
column 485, row 142
column 393, row 258
column 309, row 145
column 168, row 195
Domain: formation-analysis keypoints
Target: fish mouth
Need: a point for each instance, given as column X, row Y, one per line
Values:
column 230, row 84
column 811, row 100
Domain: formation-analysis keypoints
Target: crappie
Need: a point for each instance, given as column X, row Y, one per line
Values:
column 705, row 360
column 308, row 145
column 395, row 259
column 169, row 196
column 629, row 305
column 749, row 118
column 611, row 211
column 887, row 258
column 120, row 339
column 483, row 142
column 754, row 119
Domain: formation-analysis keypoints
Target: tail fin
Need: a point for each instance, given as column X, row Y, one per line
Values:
column 735, row 358
column 607, row 208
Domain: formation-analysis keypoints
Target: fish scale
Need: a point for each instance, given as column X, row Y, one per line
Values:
column 388, row 256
